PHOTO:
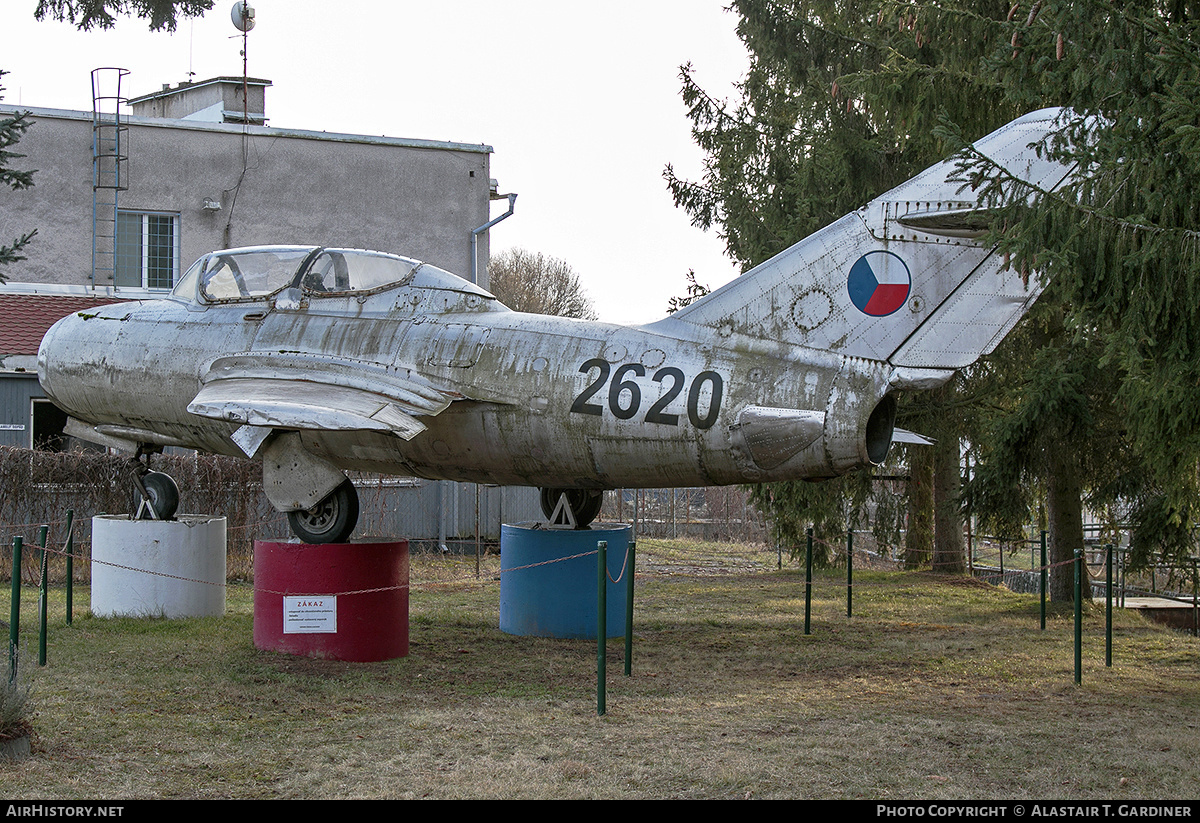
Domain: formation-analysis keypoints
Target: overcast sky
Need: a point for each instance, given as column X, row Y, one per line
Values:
column 580, row 102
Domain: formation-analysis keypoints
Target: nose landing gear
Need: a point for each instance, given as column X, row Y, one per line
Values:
column 157, row 493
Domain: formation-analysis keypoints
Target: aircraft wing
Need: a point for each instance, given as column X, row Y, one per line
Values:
column 293, row 391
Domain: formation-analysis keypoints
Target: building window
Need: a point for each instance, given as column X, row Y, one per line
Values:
column 147, row 250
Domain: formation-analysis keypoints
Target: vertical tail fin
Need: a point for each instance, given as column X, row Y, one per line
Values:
column 901, row 280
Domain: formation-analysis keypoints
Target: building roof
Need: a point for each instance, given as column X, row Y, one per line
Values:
column 238, row 128
column 25, row 318
column 168, row 91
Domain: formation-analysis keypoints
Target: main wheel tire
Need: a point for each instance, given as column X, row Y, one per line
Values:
column 330, row 521
column 162, row 493
column 585, row 504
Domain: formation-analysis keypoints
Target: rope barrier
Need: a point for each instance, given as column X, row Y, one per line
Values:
column 81, row 553
column 465, row 579
column 620, row 574
column 14, row 526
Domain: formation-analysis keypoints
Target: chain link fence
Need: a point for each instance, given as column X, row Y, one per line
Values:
column 464, row 518
column 714, row 514
column 39, row 488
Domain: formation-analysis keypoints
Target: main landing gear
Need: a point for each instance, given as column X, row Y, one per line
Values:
column 572, row 508
column 156, row 494
column 330, row 521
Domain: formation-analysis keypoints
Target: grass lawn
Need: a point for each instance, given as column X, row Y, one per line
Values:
column 935, row 689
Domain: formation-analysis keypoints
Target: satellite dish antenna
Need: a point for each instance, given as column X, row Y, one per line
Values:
column 243, row 16
column 243, row 20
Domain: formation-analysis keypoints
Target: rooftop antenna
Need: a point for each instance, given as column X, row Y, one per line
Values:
column 243, row 20
column 191, row 48
column 242, row 14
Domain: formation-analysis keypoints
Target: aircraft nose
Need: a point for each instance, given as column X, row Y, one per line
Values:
column 47, row 357
column 54, row 358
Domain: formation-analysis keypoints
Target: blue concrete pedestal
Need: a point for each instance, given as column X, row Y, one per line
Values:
column 548, row 591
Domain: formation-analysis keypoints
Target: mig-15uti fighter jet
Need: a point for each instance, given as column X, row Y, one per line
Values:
column 319, row 361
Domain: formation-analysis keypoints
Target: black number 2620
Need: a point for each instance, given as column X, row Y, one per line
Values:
column 625, row 395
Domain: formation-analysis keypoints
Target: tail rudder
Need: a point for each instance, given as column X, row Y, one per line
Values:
column 901, row 280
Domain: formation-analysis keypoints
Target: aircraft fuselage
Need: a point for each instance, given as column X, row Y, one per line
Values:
column 545, row 401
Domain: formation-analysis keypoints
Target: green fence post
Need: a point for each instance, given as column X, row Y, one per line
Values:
column 1108, row 560
column 1122, row 568
column 14, row 614
column 42, row 593
column 70, row 562
column 1042, row 580
column 1078, row 616
column 808, row 584
column 1195, row 615
column 629, row 608
column 849, row 573
column 601, row 621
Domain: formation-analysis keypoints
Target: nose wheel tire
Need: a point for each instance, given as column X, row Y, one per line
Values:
column 330, row 521
column 584, row 504
column 162, row 494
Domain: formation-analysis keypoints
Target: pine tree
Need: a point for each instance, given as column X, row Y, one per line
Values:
column 831, row 115
column 1119, row 249
column 845, row 99
column 11, row 129
column 89, row 14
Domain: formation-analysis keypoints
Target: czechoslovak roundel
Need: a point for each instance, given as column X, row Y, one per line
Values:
column 879, row 283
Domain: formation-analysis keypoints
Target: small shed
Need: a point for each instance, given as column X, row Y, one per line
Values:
column 26, row 416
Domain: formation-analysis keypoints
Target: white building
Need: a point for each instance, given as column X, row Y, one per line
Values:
column 125, row 197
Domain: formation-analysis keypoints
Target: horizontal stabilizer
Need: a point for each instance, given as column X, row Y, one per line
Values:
column 912, row 438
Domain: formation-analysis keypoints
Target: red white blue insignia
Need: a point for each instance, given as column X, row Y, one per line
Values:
column 879, row 283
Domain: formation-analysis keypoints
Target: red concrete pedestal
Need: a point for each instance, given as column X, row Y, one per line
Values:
column 339, row 601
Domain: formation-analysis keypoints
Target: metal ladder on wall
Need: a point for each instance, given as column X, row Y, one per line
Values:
column 110, row 159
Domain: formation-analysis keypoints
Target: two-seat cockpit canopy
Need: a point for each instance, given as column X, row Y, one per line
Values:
column 259, row 273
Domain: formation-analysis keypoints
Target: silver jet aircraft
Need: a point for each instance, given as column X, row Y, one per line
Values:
column 319, row 361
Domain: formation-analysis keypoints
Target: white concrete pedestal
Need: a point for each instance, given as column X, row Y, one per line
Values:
column 158, row 568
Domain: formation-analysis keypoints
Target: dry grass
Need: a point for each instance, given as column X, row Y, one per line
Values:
column 934, row 689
